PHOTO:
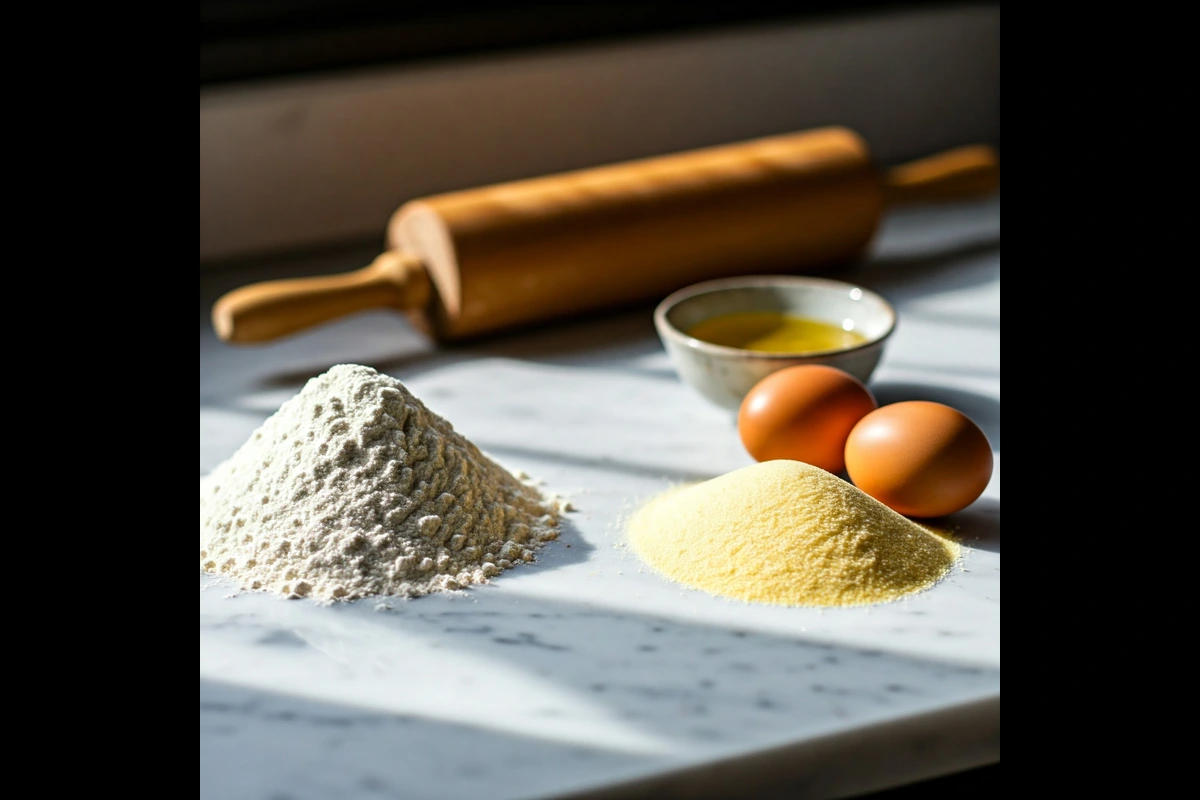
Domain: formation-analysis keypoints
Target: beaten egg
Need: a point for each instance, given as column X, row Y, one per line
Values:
column 775, row 332
column 919, row 458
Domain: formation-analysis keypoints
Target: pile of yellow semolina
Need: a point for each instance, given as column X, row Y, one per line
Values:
column 788, row 533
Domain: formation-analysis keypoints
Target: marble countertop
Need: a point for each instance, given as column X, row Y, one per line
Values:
column 585, row 674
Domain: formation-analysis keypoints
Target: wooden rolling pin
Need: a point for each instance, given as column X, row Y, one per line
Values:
column 472, row 262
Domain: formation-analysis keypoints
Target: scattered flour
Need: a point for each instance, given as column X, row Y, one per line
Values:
column 354, row 488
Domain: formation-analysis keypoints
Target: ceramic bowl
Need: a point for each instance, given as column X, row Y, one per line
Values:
column 725, row 374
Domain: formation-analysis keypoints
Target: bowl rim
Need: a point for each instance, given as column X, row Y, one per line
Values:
column 665, row 328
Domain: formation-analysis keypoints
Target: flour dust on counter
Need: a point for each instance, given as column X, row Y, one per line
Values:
column 354, row 488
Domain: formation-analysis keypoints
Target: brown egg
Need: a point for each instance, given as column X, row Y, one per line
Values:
column 919, row 458
column 803, row 413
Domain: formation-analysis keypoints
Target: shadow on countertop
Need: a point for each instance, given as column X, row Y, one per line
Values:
column 682, row 708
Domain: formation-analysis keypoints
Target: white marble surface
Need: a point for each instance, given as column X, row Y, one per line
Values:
column 586, row 674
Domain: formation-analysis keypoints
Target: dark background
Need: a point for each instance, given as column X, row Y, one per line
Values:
column 245, row 39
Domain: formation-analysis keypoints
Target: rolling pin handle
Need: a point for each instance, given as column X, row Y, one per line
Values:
column 271, row 309
column 959, row 174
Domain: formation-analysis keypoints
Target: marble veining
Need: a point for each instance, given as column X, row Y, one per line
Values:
column 586, row 672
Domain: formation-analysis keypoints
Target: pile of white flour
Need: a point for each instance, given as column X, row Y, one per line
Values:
column 354, row 488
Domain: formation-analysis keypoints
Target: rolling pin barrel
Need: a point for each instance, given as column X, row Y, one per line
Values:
column 466, row 263
column 551, row 247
